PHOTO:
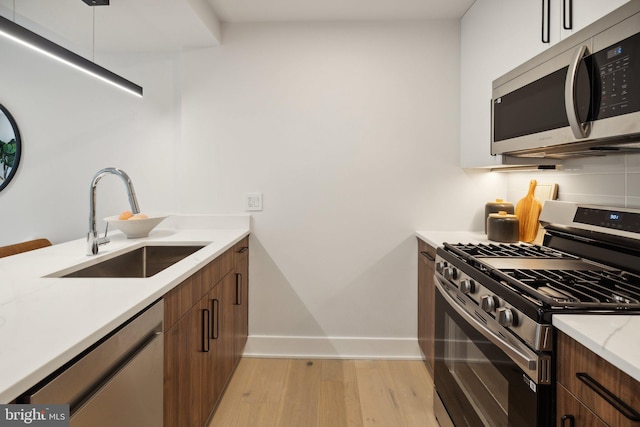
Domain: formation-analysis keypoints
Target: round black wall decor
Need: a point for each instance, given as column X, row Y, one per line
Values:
column 10, row 147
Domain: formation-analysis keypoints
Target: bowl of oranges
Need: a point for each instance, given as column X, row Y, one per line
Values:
column 135, row 225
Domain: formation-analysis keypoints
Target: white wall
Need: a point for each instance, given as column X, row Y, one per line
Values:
column 351, row 132
column 73, row 125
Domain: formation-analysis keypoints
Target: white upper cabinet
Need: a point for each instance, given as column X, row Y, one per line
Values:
column 584, row 13
column 497, row 36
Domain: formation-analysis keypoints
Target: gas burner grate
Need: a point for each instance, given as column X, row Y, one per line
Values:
column 507, row 250
column 573, row 287
column 548, row 277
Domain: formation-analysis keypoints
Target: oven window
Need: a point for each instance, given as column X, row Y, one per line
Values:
column 477, row 382
column 486, row 389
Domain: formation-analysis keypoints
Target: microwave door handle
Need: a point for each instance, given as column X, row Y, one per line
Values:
column 580, row 130
column 528, row 363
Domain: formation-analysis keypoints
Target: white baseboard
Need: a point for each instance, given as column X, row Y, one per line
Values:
column 332, row 347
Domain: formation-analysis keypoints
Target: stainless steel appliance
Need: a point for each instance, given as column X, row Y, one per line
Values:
column 580, row 97
column 494, row 349
column 117, row 382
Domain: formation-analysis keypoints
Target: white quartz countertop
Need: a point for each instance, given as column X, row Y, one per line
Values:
column 437, row 238
column 45, row 322
column 613, row 337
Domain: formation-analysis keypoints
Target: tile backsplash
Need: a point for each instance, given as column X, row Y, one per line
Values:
column 609, row 180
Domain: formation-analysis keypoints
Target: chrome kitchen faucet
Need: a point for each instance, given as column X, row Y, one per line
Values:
column 93, row 241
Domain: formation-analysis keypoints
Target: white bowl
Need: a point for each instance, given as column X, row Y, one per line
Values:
column 135, row 228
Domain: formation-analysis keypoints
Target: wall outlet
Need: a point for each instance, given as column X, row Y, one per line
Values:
column 252, row 201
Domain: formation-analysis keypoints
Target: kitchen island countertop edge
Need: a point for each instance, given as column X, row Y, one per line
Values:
column 45, row 322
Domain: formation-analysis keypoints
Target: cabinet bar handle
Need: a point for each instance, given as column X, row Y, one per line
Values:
column 238, row 288
column 243, row 249
column 427, row 255
column 546, row 21
column 206, row 315
column 613, row 400
column 567, row 24
column 215, row 319
column 571, row 418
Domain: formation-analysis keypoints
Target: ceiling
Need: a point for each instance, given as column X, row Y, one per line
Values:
column 337, row 10
column 168, row 25
column 125, row 25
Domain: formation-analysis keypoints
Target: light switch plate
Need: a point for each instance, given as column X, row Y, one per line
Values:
column 252, row 201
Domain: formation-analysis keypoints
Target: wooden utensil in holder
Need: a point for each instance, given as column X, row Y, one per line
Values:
column 528, row 210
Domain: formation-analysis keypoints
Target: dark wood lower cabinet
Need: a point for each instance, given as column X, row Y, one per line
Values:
column 184, row 364
column 201, row 335
column 222, row 362
column 573, row 413
column 426, row 302
column 241, row 300
column 591, row 391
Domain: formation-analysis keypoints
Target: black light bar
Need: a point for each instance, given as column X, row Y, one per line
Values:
column 21, row 35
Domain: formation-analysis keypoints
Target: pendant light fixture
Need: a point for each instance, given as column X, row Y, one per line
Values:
column 25, row 37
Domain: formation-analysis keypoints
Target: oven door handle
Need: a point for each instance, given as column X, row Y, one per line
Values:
column 525, row 358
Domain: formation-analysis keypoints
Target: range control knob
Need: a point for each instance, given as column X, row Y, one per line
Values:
column 440, row 266
column 467, row 286
column 450, row 273
column 487, row 303
column 505, row 316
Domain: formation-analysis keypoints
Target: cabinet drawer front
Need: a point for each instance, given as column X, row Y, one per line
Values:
column 426, row 253
column 184, row 296
column 217, row 269
column 241, row 250
column 570, row 409
column 610, row 393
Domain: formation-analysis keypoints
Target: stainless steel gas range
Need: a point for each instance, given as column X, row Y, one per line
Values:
column 494, row 349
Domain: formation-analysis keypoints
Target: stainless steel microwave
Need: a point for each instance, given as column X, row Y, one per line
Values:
column 580, row 97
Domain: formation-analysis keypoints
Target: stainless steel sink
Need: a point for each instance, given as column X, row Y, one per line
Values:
column 142, row 262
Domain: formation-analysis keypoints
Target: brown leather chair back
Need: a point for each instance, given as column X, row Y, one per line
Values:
column 17, row 248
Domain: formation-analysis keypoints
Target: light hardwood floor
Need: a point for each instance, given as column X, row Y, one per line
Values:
column 327, row 393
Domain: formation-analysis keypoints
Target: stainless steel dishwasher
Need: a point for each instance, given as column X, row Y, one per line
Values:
column 117, row 382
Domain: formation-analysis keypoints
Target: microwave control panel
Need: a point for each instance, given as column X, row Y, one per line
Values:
column 618, row 70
